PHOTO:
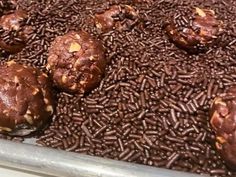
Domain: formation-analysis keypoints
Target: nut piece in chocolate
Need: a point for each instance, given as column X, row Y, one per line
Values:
column 13, row 31
column 194, row 31
column 121, row 17
column 26, row 100
column 77, row 62
column 223, row 122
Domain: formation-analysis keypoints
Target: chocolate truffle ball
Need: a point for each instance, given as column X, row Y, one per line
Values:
column 223, row 122
column 194, row 31
column 121, row 17
column 26, row 100
column 13, row 31
column 77, row 62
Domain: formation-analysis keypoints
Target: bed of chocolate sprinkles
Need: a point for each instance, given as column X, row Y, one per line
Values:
column 152, row 106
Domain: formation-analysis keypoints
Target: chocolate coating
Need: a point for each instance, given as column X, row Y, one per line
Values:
column 12, row 26
column 223, row 121
column 195, row 31
column 26, row 100
column 77, row 62
column 121, row 17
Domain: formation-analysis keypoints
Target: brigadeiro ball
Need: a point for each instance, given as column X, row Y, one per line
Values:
column 121, row 17
column 223, row 122
column 194, row 30
column 13, row 31
column 26, row 100
column 77, row 62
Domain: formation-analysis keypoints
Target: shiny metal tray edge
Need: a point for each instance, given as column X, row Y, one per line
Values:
column 48, row 161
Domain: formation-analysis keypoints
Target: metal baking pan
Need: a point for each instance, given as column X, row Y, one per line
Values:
column 57, row 163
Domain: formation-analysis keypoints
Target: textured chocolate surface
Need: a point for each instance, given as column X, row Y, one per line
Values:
column 13, row 32
column 26, row 101
column 195, row 30
column 6, row 6
column 223, row 121
column 121, row 17
column 152, row 106
column 77, row 62
column 12, row 21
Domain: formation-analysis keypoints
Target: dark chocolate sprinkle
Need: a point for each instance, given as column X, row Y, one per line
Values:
column 152, row 105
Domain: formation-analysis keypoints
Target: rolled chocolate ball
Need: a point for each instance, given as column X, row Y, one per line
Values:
column 77, row 62
column 194, row 31
column 223, row 122
column 13, row 31
column 26, row 99
column 121, row 17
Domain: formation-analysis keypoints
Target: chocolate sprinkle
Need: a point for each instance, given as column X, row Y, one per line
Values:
column 152, row 105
